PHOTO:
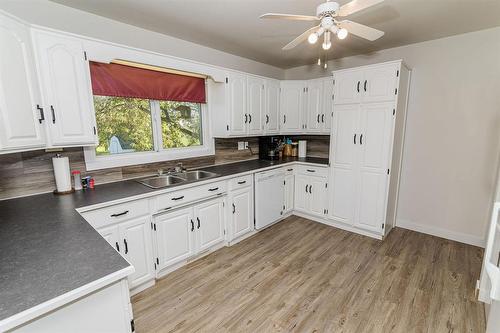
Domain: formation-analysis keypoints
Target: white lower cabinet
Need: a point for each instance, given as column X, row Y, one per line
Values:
column 311, row 194
column 132, row 239
column 241, row 212
column 289, row 190
column 186, row 232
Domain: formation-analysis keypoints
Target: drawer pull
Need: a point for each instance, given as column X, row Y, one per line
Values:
column 119, row 214
column 242, row 182
column 213, row 189
column 309, row 170
column 289, row 169
column 178, row 198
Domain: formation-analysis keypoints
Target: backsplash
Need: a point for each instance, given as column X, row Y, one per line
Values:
column 31, row 172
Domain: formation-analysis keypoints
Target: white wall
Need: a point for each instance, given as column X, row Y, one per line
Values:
column 56, row 16
column 453, row 131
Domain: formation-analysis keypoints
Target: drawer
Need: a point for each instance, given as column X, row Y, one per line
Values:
column 117, row 213
column 312, row 170
column 187, row 195
column 240, row 182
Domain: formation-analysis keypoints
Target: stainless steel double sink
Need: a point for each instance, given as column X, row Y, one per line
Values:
column 161, row 181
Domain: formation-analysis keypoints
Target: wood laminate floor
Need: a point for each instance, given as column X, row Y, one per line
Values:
column 302, row 276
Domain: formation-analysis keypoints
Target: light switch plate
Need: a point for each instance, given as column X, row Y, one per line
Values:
column 241, row 145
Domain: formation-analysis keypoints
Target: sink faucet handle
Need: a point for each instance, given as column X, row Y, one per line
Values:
column 179, row 167
column 160, row 172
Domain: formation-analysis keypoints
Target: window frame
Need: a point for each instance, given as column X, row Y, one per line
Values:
column 95, row 162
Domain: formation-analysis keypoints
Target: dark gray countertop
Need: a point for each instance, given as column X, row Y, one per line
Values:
column 47, row 249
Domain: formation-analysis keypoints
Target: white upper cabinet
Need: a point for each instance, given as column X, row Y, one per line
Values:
column 272, row 111
column 348, row 86
column 291, row 106
column 65, row 79
column 237, row 103
column 326, row 117
column 256, row 105
column 314, row 110
column 21, row 114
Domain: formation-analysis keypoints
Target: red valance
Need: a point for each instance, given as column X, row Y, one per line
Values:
column 126, row 81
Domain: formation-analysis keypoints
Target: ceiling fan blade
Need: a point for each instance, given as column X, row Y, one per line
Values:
column 289, row 17
column 355, row 6
column 300, row 39
column 361, row 30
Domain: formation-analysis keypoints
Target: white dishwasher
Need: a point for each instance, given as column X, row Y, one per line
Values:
column 269, row 197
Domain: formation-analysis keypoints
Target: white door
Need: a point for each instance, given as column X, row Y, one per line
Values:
column 269, row 195
column 327, row 107
column 237, row 103
column 271, row 118
column 348, row 86
column 291, row 105
column 112, row 236
column 256, row 104
column 136, row 241
column 380, row 83
column 318, row 195
column 302, row 194
column 209, row 220
column 242, row 211
column 175, row 234
column 314, row 106
column 289, row 192
column 376, row 130
column 67, row 91
column 344, row 154
column 20, row 119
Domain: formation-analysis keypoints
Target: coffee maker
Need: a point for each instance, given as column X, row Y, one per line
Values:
column 269, row 147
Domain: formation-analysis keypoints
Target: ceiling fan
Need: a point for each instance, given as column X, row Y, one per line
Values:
column 327, row 13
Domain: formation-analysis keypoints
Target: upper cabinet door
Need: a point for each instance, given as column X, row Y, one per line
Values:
column 256, row 104
column 237, row 103
column 314, row 93
column 292, row 95
column 20, row 120
column 209, row 224
column 348, row 86
column 326, row 117
column 271, row 117
column 380, row 83
column 65, row 76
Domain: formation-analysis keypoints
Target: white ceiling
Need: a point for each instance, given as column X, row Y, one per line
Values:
column 234, row 26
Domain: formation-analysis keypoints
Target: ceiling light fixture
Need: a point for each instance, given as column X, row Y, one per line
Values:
column 342, row 33
column 313, row 38
column 327, row 43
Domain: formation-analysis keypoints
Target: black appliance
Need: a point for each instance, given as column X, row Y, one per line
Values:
column 269, row 147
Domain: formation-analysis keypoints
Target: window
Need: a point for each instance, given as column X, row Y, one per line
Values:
column 138, row 123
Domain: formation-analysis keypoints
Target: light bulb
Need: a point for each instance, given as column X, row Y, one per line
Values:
column 342, row 33
column 319, row 61
column 313, row 38
column 327, row 44
column 326, row 65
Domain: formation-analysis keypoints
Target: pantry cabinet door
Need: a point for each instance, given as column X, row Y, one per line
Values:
column 380, row 83
column 175, row 236
column 348, row 86
column 137, row 249
column 237, row 103
column 344, row 148
column 256, row 104
column 271, row 117
column 376, row 132
column 21, row 122
column 67, row 90
column 209, row 219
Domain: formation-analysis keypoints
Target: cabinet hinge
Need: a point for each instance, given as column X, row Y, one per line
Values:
column 155, row 265
column 132, row 325
column 383, row 225
column 397, row 73
column 224, row 231
column 152, row 226
column 227, row 80
column 333, row 81
column 223, row 204
column 85, row 55
column 326, row 185
column 157, row 261
column 388, row 171
column 333, row 97
column 283, row 207
column 393, row 112
column 396, row 91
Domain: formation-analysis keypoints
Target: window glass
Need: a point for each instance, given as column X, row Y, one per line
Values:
column 180, row 124
column 124, row 125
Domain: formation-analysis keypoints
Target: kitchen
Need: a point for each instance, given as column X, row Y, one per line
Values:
column 230, row 183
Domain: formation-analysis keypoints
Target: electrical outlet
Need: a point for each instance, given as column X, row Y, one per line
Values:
column 241, row 145
column 246, row 144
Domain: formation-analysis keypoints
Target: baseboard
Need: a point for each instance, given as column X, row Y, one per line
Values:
column 440, row 232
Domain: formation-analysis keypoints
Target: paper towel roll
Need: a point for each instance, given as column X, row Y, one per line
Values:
column 62, row 173
column 302, row 148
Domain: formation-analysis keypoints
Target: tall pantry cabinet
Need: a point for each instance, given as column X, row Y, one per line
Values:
column 367, row 144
